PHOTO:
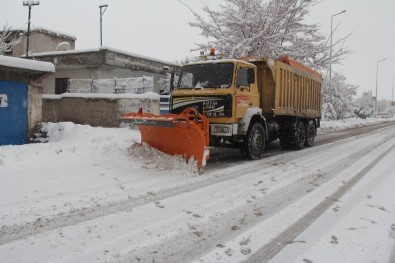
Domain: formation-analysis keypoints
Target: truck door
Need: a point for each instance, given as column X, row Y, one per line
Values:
column 246, row 92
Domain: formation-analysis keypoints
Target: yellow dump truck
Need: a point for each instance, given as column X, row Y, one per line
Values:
column 242, row 103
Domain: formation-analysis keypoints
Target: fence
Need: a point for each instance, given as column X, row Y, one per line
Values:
column 137, row 85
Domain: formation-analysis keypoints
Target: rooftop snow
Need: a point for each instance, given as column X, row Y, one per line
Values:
column 45, row 30
column 22, row 63
column 104, row 48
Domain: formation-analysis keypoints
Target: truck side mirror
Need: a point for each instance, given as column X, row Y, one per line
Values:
column 251, row 76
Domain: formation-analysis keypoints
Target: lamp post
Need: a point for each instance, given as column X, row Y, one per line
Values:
column 377, row 79
column 330, row 51
column 29, row 3
column 101, row 21
column 392, row 96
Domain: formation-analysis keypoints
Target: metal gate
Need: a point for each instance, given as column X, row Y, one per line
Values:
column 13, row 113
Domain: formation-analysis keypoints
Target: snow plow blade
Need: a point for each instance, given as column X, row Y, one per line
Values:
column 185, row 134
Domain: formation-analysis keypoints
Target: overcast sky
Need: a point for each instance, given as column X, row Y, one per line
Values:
column 159, row 29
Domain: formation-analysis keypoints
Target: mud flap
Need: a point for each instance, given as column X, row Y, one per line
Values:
column 185, row 134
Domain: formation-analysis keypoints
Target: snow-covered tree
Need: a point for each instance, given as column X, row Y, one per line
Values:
column 271, row 28
column 365, row 105
column 8, row 39
column 338, row 98
column 274, row 28
column 328, row 112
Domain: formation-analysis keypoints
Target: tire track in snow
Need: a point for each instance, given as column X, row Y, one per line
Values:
column 222, row 229
column 42, row 225
column 277, row 244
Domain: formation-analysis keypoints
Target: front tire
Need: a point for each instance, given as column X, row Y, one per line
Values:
column 254, row 142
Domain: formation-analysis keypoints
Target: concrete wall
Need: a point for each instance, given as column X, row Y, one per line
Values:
column 95, row 109
column 34, row 111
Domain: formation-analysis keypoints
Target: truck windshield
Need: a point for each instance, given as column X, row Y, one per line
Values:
column 215, row 75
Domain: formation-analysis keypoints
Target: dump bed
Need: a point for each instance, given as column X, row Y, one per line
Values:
column 288, row 88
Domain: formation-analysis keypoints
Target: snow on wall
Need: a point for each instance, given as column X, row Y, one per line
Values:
column 96, row 109
column 148, row 95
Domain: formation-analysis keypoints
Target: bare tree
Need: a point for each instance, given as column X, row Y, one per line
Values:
column 8, row 39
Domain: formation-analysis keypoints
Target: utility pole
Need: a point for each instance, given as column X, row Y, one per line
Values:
column 101, row 21
column 377, row 79
column 29, row 3
column 392, row 97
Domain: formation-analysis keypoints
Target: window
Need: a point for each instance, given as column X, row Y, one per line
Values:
column 242, row 78
column 206, row 75
column 61, row 85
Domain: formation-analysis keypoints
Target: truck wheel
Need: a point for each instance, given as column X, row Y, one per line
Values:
column 310, row 134
column 300, row 136
column 254, row 143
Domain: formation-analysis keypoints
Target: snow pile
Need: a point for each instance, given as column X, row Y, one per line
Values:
column 146, row 156
column 151, row 158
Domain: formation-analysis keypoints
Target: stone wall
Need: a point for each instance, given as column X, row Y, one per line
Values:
column 96, row 109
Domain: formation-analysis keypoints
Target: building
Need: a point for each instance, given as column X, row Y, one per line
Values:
column 20, row 97
column 41, row 40
column 101, row 63
column 87, row 67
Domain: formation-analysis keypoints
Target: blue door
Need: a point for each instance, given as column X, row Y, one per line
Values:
column 13, row 113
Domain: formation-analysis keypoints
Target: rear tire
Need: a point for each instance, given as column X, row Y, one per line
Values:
column 254, row 143
column 300, row 137
column 310, row 134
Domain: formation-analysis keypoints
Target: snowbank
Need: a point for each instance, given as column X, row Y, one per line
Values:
column 147, row 156
column 336, row 125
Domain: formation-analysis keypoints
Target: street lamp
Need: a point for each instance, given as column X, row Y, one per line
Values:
column 101, row 21
column 29, row 3
column 330, row 51
column 392, row 97
column 377, row 78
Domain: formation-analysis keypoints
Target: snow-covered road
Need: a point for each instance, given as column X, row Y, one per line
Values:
column 87, row 196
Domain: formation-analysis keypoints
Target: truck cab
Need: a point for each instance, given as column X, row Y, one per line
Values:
column 221, row 90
